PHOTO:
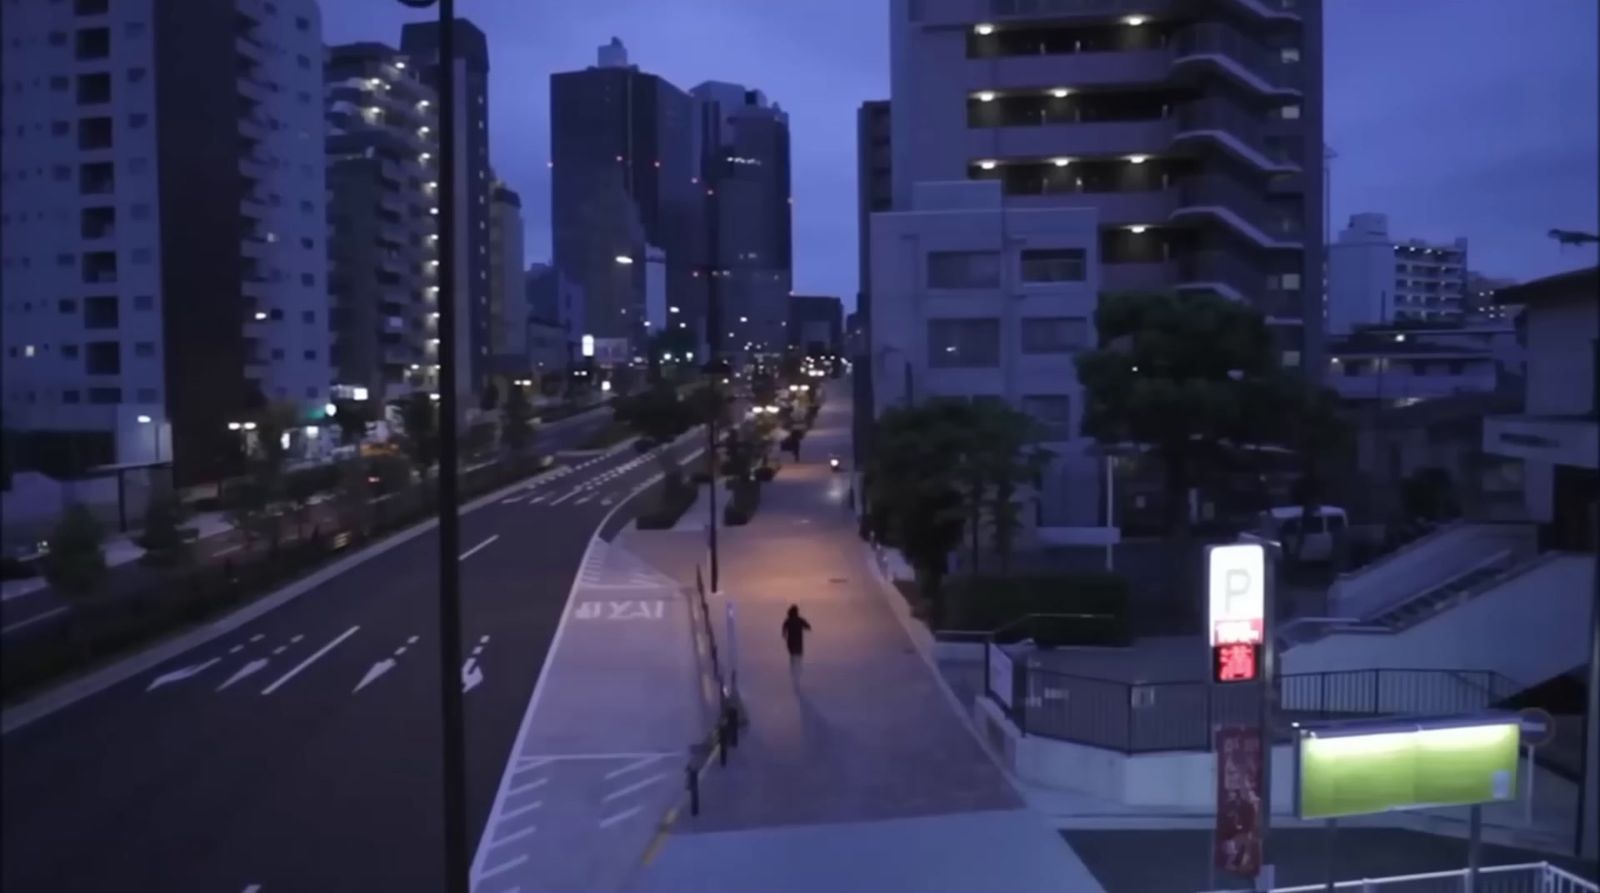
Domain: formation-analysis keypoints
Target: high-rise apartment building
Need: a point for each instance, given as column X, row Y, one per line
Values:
column 1193, row 130
column 1376, row 280
column 621, row 149
column 382, row 242
column 743, row 146
column 164, row 226
column 874, row 189
column 508, row 293
column 474, row 186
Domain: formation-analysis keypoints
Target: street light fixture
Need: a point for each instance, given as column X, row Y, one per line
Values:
column 624, row 259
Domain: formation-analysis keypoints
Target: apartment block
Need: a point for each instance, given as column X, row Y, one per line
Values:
column 1192, row 130
column 1375, row 279
column 991, row 303
column 508, row 297
column 164, row 227
column 382, row 240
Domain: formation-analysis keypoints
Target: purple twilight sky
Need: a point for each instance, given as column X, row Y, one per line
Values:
column 1471, row 118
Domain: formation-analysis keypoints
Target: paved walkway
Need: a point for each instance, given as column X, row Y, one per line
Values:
column 860, row 774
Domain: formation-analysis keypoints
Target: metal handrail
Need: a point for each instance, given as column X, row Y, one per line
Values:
column 1548, row 877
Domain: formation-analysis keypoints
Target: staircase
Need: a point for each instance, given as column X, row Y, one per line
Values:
column 1424, row 565
column 1431, row 601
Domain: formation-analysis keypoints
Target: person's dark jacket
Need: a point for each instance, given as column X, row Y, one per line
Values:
column 794, row 629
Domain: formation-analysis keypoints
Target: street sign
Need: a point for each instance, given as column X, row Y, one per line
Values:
column 1239, row 801
column 1235, row 662
column 1236, row 593
column 1538, row 726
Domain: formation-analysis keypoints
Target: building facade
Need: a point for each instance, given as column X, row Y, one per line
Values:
column 623, row 179
column 164, row 226
column 474, row 185
column 508, row 293
column 744, row 161
column 816, row 323
column 874, row 193
column 382, row 242
column 1194, row 131
column 977, row 301
column 1375, row 280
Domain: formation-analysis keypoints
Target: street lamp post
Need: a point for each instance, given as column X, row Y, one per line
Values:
column 456, row 865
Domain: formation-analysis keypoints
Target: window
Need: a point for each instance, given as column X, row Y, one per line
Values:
column 94, row 88
column 138, row 120
column 144, row 302
column 963, row 343
column 301, row 23
column 69, row 351
column 1057, row 334
column 310, row 354
column 136, row 75
column 105, row 395
column 277, row 353
column 69, row 396
column 100, row 313
column 103, row 358
column 67, row 305
column 1290, row 54
column 91, row 7
column 1289, row 281
column 93, row 43
column 308, row 242
column 144, row 349
column 66, row 260
column 302, row 61
column 60, row 128
column 308, row 279
column 60, row 83
column 1289, row 112
column 94, row 133
column 1052, row 265
column 63, row 172
column 963, row 269
column 1053, row 413
column 308, row 316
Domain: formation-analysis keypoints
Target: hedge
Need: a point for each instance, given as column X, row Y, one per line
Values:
column 1096, row 601
column 744, row 498
column 676, row 497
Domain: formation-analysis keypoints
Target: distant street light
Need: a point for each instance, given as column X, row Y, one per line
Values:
column 330, row 409
column 624, row 259
column 234, row 426
column 144, row 420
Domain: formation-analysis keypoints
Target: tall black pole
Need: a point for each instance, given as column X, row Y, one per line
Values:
column 714, row 362
column 450, row 707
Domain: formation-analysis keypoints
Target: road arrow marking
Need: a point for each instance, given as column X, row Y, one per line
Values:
column 378, row 669
column 471, row 675
column 180, row 675
column 244, row 671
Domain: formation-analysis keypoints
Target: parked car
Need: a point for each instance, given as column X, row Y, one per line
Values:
column 1327, row 527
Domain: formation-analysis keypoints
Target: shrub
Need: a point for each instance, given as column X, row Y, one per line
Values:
column 163, row 543
column 1098, row 602
column 766, row 473
column 744, row 497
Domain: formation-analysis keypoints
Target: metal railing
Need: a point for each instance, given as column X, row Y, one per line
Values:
column 1532, row 877
column 1144, row 717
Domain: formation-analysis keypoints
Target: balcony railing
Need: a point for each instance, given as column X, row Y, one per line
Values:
column 1214, row 38
column 1203, row 268
column 1275, row 224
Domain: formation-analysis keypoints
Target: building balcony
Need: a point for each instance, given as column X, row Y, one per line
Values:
column 1114, row 208
column 1087, row 139
column 254, row 169
column 1239, row 208
column 1222, row 272
column 1218, row 47
column 1138, row 276
column 252, row 129
column 1400, row 386
column 1235, row 129
column 254, row 287
column 253, row 247
column 1067, row 70
column 1573, row 441
column 253, row 209
column 251, row 49
column 255, row 90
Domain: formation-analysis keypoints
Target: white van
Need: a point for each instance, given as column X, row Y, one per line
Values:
column 1282, row 524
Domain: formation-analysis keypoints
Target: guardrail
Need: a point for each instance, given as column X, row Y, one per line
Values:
column 1146, row 717
column 1530, row 877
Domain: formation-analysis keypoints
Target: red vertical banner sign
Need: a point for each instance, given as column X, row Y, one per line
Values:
column 1239, row 801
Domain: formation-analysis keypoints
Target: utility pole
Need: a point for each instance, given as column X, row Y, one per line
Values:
column 456, row 866
column 715, row 366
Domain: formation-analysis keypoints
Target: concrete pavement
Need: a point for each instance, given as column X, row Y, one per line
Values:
column 300, row 750
column 859, row 775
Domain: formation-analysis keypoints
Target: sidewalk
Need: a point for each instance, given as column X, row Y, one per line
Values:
column 120, row 550
column 861, row 775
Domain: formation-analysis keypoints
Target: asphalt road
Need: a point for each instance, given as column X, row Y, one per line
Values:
column 34, row 611
column 301, row 751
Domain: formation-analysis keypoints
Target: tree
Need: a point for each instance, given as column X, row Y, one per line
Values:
column 1319, row 435
column 419, row 419
column 352, row 417
column 516, row 421
column 75, row 565
column 1010, row 458
column 915, row 490
column 1175, row 375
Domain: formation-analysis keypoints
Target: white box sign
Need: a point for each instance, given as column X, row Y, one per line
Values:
column 1237, row 592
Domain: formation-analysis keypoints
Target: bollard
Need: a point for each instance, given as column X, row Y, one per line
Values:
column 723, row 737
column 730, row 719
column 692, row 781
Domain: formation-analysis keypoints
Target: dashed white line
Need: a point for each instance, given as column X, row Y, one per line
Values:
column 253, row 888
column 608, row 821
column 584, row 499
column 636, row 786
column 513, row 813
column 502, row 868
column 513, row 837
column 560, row 499
column 636, row 764
column 530, row 786
column 472, row 551
column 309, row 661
column 35, row 619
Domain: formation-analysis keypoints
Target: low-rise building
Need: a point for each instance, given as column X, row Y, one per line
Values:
column 1405, row 364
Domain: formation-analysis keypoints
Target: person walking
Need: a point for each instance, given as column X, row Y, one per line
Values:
column 795, row 628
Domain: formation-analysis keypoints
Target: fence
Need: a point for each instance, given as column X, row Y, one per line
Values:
column 1141, row 717
column 1534, row 877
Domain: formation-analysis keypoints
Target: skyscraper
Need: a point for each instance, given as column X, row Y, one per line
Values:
column 508, row 293
column 382, row 175
column 474, row 185
column 743, row 146
column 620, row 144
column 164, row 226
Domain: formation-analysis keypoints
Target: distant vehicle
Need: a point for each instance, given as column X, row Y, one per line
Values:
column 1327, row 525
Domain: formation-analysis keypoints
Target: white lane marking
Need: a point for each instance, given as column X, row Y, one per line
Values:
column 236, row 649
column 636, row 786
column 584, row 499
column 538, row 499
column 608, row 500
column 470, row 552
column 636, row 764
column 258, row 637
column 253, row 888
column 513, row 813
column 608, row 821
column 560, row 499
column 244, row 671
column 35, row 619
column 225, row 551
column 181, row 674
column 280, row 649
column 471, row 675
column 514, row 836
column 512, row 499
column 309, row 661
column 296, row 638
column 530, row 786
column 502, row 868
column 413, row 640
column 376, row 670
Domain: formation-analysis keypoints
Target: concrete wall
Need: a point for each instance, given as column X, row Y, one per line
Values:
column 1530, row 628
column 1561, row 358
column 1421, row 565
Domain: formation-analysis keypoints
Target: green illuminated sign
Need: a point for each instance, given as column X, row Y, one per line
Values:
column 1390, row 768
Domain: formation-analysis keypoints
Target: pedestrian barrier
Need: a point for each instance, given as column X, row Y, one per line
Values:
column 1533, row 877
